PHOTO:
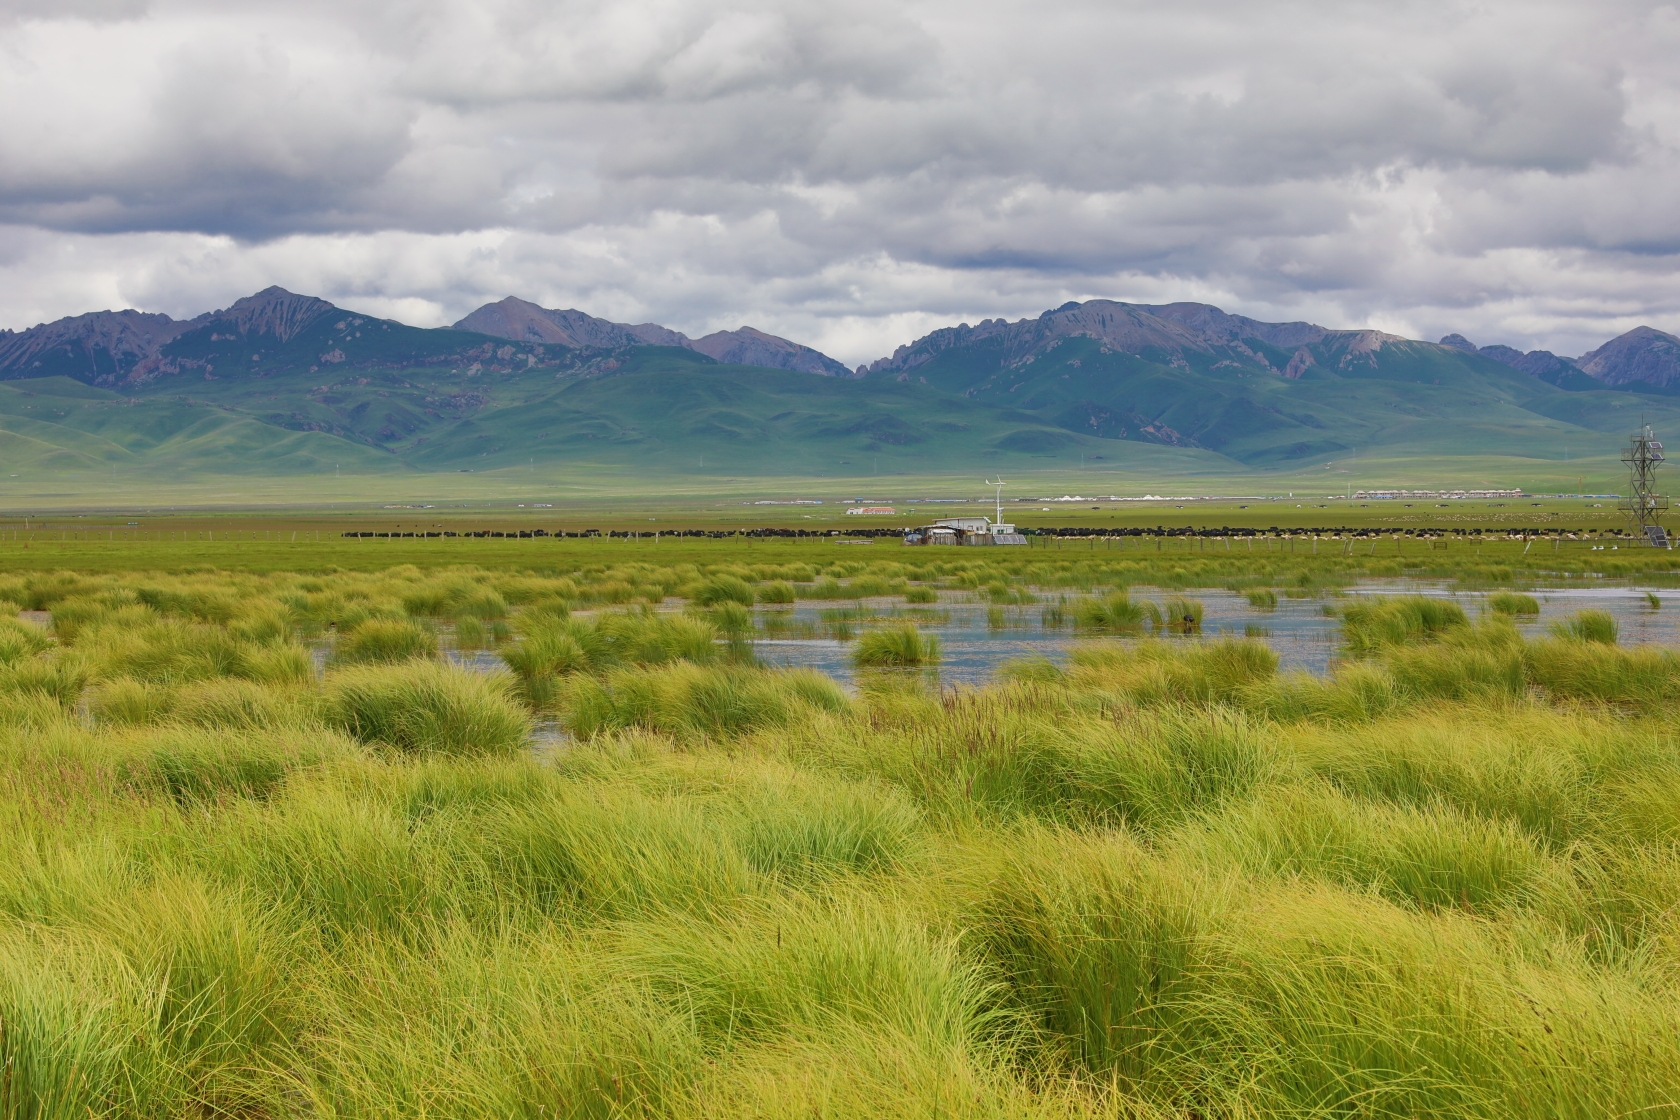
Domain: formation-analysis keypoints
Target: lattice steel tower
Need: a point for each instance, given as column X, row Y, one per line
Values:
column 1644, row 505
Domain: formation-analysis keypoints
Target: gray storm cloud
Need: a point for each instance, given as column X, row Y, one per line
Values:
column 850, row 174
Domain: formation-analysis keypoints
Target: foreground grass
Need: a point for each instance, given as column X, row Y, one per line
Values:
column 1163, row 881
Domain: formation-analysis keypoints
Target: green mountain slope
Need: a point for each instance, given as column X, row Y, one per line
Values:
column 663, row 408
column 282, row 385
column 1347, row 392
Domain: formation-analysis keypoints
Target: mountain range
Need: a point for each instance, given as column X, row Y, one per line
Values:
column 280, row 382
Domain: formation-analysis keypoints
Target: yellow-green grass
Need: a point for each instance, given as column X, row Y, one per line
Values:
column 1159, row 881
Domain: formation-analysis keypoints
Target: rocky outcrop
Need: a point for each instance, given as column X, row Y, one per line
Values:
column 101, row 344
column 1213, row 323
column 1542, row 365
column 749, row 347
column 1642, row 356
column 272, row 311
column 107, row 347
column 1126, row 327
column 522, row 321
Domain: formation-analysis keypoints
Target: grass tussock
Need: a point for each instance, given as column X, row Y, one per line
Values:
column 1380, row 623
column 697, row 700
column 1589, row 626
column 1513, row 603
column 900, row 645
column 1116, row 612
column 423, row 707
column 384, row 641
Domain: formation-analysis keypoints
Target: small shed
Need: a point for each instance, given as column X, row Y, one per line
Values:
column 965, row 530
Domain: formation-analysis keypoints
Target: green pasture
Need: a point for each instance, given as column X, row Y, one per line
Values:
column 1512, row 549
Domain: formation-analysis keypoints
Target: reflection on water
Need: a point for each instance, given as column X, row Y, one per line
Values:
column 977, row 638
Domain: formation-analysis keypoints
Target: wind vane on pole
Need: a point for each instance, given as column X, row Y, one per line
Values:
column 999, row 484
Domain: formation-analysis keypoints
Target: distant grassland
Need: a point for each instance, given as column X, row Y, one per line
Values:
column 264, row 855
column 1530, row 536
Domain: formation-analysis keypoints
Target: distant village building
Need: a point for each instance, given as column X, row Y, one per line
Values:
column 1390, row 495
column 872, row 509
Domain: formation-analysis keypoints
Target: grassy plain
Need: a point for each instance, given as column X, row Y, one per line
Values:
column 263, row 855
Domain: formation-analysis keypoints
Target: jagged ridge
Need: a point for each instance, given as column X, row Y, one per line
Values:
column 523, row 321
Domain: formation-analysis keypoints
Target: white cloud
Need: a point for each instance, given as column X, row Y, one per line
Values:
column 849, row 173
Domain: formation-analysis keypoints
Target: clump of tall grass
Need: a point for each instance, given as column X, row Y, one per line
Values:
column 1261, row 598
column 731, row 619
column 384, row 641
column 169, row 650
column 20, row 640
column 482, row 603
column 1000, row 593
column 1182, row 616
column 425, row 707
column 172, row 1001
column 1375, row 624
column 921, row 594
column 724, row 589
column 1116, row 612
column 1513, row 603
column 611, row 640
column 827, row 587
column 693, row 699
column 899, row 645
column 1154, row 671
column 1570, row 668
column 1204, row 992
column 60, row 679
column 198, row 765
column 1589, row 626
column 1425, row 855
column 1358, row 692
column 779, row 592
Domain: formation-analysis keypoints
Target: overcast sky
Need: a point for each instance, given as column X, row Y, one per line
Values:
column 850, row 174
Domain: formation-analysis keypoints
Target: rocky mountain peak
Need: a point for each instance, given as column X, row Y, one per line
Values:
column 275, row 311
column 1643, row 354
column 523, row 321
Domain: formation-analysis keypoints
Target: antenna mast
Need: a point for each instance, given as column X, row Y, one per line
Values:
column 1644, row 506
column 999, row 484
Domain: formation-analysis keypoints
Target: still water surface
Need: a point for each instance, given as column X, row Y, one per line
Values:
column 1304, row 637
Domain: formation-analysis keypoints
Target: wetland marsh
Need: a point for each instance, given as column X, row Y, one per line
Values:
column 1207, row 835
